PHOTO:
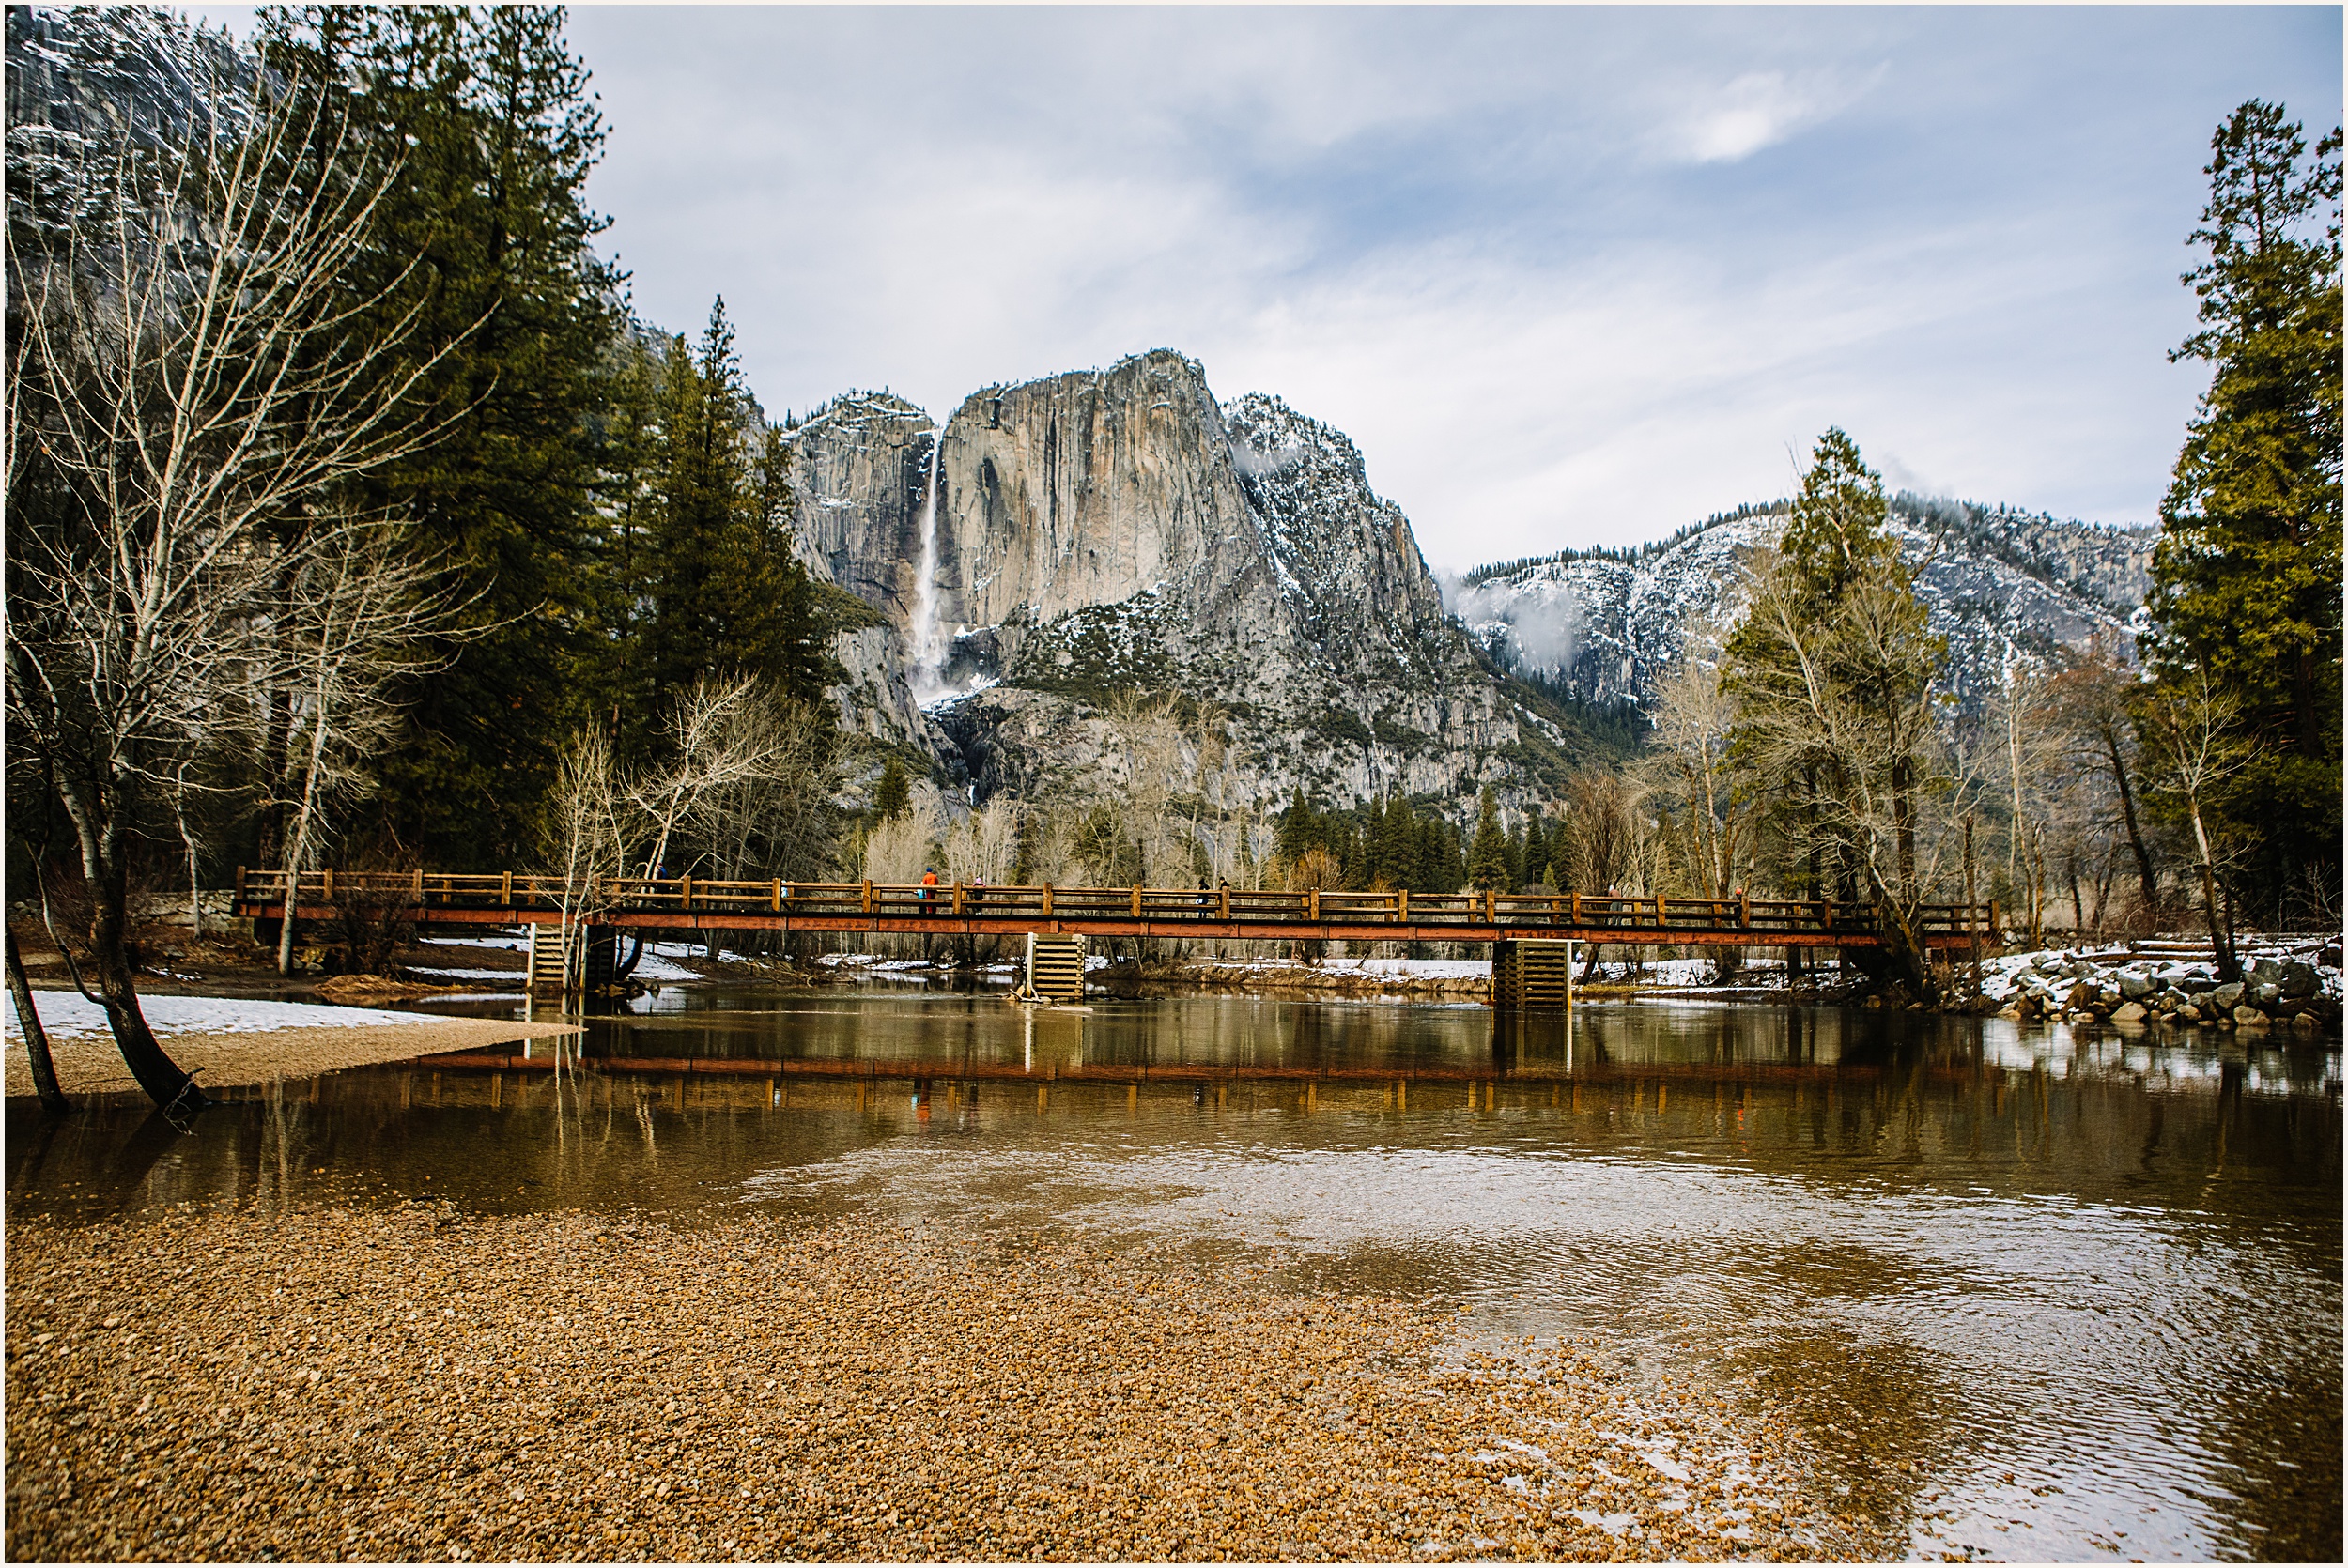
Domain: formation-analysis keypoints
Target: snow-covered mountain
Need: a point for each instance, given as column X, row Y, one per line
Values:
column 1605, row 627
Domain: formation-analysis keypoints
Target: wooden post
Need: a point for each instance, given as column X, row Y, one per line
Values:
column 1312, row 906
column 1222, row 904
column 1402, row 906
column 240, row 884
column 687, row 883
column 420, row 884
column 957, row 899
column 1661, row 919
column 1744, row 910
column 774, row 899
column 1047, row 900
column 1826, row 914
column 1136, row 901
column 1489, row 917
column 330, row 883
column 1574, row 905
column 868, row 898
column 506, row 889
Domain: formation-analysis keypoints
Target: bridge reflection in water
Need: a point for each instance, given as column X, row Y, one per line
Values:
column 953, row 1048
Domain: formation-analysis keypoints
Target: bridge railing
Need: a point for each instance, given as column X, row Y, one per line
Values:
column 1654, row 917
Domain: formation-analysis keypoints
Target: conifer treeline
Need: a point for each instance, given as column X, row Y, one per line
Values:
column 608, row 496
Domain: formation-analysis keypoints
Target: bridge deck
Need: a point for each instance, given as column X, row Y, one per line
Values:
column 687, row 903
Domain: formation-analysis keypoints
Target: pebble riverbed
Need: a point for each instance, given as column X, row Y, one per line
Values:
column 416, row 1382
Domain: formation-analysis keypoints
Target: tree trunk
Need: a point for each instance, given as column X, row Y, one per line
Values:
column 94, row 812
column 52, row 1099
column 118, row 992
column 1908, row 963
column 2220, row 937
column 1903, row 815
column 300, row 850
column 269, row 830
column 1973, row 923
column 2127, row 814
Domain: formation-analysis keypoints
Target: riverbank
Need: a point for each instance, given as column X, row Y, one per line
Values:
column 227, row 1040
column 415, row 1383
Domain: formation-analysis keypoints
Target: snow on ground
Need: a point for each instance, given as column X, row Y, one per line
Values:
column 66, row 1015
column 515, row 941
column 1414, row 969
column 465, row 974
column 2054, row 970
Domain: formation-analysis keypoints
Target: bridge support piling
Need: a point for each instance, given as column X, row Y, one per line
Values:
column 1531, row 972
column 1056, row 966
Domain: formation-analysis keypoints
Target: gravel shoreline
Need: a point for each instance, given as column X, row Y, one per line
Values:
column 413, row 1382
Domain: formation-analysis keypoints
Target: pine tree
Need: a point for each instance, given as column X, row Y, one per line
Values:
column 2247, row 573
column 1832, row 670
column 894, row 797
column 1488, row 856
column 488, row 232
column 1535, row 849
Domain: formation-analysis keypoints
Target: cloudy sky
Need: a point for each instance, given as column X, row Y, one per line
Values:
column 1566, row 276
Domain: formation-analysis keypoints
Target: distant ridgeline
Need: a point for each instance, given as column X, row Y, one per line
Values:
column 1600, row 627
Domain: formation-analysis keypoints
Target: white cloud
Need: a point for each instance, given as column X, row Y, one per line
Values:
column 1755, row 109
column 1526, row 257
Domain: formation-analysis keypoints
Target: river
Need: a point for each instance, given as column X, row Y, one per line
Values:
column 2032, row 1293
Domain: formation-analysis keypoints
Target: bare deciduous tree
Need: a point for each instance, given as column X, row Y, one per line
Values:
column 1844, row 724
column 2196, row 748
column 183, row 382
column 1713, row 823
column 362, row 606
column 746, row 770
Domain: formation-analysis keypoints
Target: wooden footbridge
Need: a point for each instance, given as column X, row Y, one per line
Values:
column 970, row 909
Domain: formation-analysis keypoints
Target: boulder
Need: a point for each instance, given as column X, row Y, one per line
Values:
column 2128, row 1012
column 2300, row 979
column 2266, row 994
column 2267, row 970
column 2015, row 1015
column 2082, row 970
column 2249, row 1018
column 2187, row 1013
column 2227, row 996
column 2135, row 987
column 2307, row 1022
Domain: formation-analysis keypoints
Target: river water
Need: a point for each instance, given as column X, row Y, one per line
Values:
column 2032, row 1293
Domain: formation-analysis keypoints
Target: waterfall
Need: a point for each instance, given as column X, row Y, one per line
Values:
column 928, row 654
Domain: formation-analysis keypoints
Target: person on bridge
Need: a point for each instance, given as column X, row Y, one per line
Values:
column 929, row 889
column 978, row 893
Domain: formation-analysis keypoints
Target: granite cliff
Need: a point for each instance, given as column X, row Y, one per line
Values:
column 1119, row 530
column 1063, row 540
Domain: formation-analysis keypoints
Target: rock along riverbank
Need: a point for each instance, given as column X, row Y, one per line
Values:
column 412, row 1383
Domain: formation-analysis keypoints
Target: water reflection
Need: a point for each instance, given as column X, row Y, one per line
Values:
column 2032, row 1292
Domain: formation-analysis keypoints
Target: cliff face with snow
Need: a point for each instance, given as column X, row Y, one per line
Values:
column 1119, row 530
column 1066, row 540
column 1997, row 584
